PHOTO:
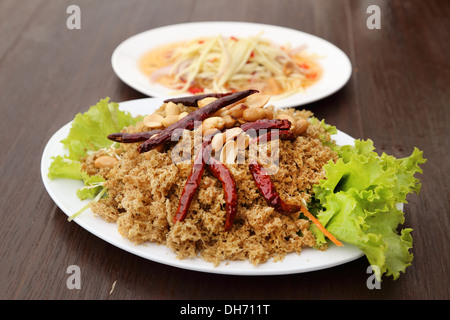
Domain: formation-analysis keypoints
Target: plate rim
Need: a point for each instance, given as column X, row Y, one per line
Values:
column 344, row 58
column 195, row 264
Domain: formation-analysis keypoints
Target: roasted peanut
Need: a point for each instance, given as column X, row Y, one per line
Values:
column 222, row 112
column 232, row 133
column 218, row 113
column 153, row 121
column 172, row 109
column 169, row 120
column 269, row 114
column 208, row 127
column 209, row 131
column 242, row 141
column 301, row 126
column 253, row 114
column 257, row 100
column 229, row 121
column 205, row 101
column 217, row 122
column 228, row 153
column 217, row 142
column 182, row 115
column 237, row 111
column 105, row 162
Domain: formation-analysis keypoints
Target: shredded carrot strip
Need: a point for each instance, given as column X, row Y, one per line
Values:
column 321, row 227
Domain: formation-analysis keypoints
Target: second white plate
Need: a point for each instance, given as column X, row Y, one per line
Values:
column 336, row 65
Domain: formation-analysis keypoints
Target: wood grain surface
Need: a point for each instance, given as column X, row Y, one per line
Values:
column 398, row 96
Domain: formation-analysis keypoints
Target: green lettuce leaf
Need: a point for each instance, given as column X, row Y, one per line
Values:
column 92, row 186
column 64, row 168
column 88, row 133
column 89, row 130
column 359, row 199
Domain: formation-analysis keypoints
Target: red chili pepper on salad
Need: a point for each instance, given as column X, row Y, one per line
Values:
column 124, row 137
column 223, row 174
column 267, row 190
column 218, row 170
column 311, row 75
column 304, row 65
column 269, row 193
column 281, row 134
column 192, row 184
column 266, row 124
column 195, row 90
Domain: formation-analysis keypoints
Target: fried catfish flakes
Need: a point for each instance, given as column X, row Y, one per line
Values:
column 144, row 191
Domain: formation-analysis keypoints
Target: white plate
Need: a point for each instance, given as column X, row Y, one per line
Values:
column 63, row 192
column 336, row 65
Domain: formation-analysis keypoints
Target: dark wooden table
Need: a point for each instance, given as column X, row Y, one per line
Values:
column 398, row 96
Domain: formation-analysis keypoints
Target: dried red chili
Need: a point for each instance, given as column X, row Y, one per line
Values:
column 281, row 134
column 218, row 170
column 124, row 137
column 191, row 185
column 223, row 174
column 268, row 191
column 266, row 124
column 262, row 178
column 191, row 101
